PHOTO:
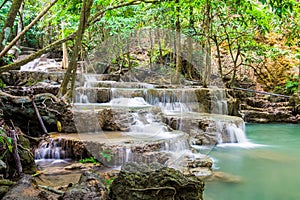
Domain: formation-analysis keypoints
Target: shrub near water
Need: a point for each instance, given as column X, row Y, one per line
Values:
column 291, row 86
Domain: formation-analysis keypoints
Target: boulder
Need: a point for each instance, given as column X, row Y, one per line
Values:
column 90, row 186
column 4, row 186
column 26, row 188
column 154, row 181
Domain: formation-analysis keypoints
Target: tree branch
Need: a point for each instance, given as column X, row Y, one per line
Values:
column 35, row 55
column 39, row 117
column 3, row 4
column 99, row 15
column 14, row 41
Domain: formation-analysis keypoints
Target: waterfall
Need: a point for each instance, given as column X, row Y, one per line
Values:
column 219, row 102
column 229, row 132
column 236, row 134
column 50, row 149
column 172, row 100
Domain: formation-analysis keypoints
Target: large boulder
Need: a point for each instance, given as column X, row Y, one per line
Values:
column 155, row 182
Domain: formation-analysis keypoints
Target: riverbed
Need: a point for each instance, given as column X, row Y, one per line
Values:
column 268, row 168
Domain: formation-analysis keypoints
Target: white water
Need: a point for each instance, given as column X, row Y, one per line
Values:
column 219, row 102
column 50, row 149
column 41, row 64
column 136, row 102
column 169, row 101
column 147, row 125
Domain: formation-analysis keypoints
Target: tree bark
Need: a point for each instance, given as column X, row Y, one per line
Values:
column 215, row 39
column 15, row 153
column 35, row 55
column 15, row 6
column 70, row 74
column 14, row 41
column 207, row 71
column 65, row 60
column 178, row 44
column 20, row 27
column 190, row 46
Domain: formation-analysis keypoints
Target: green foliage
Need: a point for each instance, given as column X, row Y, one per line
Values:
column 89, row 160
column 237, row 26
column 108, row 182
column 292, row 85
column 2, row 84
column 106, row 154
column 30, row 82
column 6, row 141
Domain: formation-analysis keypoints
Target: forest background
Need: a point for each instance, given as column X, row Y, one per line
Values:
column 253, row 41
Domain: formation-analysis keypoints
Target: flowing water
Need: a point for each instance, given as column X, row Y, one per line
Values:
column 268, row 171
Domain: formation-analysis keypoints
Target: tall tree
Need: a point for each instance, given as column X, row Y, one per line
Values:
column 178, row 42
column 70, row 74
column 207, row 33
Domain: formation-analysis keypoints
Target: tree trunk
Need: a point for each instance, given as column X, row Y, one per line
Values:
column 70, row 74
column 151, row 49
column 14, row 41
column 178, row 44
column 20, row 27
column 215, row 39
column 190, row 47
column 161, row 60
column 15, row 6
column 65, row 60
column 207, row 71
column 15, row 152
column 128, row 55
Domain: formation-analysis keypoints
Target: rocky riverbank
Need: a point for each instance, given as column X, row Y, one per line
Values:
column 268, row 108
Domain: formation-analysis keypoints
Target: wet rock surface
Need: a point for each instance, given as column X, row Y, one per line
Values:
column 154, row 181
column 205, row 129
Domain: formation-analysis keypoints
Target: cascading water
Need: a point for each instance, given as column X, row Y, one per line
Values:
column 219, row 102
column 51, row 149
column 236, row 134
column 144, row 117
column 147, row 109
column 229, row 132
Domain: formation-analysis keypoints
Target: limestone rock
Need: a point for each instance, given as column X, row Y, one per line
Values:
column 154, row 181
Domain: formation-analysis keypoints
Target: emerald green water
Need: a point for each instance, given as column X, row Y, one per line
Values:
column 269, row 171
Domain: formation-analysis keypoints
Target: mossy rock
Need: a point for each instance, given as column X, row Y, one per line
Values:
column 155, row 182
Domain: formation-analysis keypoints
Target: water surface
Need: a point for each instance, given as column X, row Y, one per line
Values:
column 268, row 171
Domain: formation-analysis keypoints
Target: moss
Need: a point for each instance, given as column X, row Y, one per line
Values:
column 155, row 182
